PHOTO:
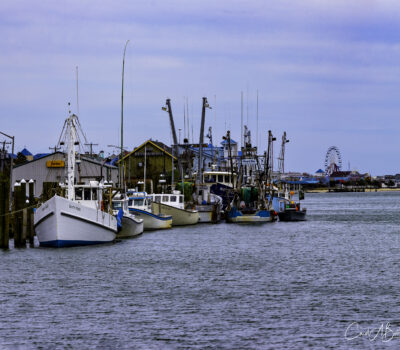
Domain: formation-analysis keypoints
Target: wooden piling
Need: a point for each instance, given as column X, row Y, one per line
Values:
column 23, row 213
column 24, row 225
column 31, row 232
column 4, row 214
column 19, row 204
column 16, row 217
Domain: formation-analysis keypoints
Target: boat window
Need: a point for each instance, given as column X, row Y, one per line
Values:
column 220, row 178
column 130, row 202
column 157, row 199
column 138, row 201
column 165, row 199
column 116, row 205
column 78, row 193
column 173, row 198
column 94, row 194
column 86, row 194
column 211, row 178
column 226, row 177
column 180, row 199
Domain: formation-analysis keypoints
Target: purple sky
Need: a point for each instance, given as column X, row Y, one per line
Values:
column 327, row 73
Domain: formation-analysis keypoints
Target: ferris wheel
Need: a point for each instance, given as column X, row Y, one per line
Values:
column 333, row 160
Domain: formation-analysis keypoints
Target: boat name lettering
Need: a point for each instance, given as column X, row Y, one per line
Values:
column 74, row 207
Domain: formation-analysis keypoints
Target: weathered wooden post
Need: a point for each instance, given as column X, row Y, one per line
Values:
column 23, row 213
column 16, row 221
column 4, row 212
column 31, row 232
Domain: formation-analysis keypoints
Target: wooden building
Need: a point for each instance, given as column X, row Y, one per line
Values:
column 154, row 160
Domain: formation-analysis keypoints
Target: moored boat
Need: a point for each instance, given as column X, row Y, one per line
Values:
column 172, row 204
column 77, row 219
column 234, row 215
column 140, row 206
column 289, row 210
column 129, row 225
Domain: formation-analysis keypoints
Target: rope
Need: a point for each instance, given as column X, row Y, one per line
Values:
column 17, row 211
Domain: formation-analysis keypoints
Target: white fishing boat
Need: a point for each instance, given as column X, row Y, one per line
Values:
column 77, row 219
column 172, row 204
column 140, row 205
column 208, row 205
column 128, row 224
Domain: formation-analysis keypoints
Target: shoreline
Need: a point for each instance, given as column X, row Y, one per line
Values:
column 323, row 190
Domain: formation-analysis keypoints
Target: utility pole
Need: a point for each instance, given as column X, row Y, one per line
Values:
column 91, row 144
column 54, row 149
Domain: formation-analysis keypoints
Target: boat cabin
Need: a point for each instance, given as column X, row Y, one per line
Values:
column 88, row 195
column 139, row 200
column 221, row 177
column 174, row 199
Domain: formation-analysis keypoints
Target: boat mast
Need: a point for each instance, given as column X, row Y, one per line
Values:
column 144, row 173
column 201, row 140
column 71, row 135
column 281, row 165
column 175, row 146
column 228, row 139
column 270, row 160
column 121, row 164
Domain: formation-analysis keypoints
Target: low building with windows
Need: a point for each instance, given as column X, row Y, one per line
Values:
column 50, row 170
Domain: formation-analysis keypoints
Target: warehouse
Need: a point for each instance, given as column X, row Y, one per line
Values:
column 51, row 169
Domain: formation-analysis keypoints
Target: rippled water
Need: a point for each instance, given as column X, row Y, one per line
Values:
column 276, row 286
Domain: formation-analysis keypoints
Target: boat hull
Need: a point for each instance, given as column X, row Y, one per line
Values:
column 292, row 215
column 180, row 217
column 259, row 217
column 60, row 222
column 131, row 227
column 208, row 213
column 152, row 221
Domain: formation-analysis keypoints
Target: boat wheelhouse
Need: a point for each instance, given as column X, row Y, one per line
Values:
column 140, row 204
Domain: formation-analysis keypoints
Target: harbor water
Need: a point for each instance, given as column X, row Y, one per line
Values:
column 330, row 282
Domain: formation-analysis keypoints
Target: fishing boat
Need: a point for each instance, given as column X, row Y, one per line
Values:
column 140, row 205
column 128, row 224
column 173, row 204
column 292, row 212
column 249, row 204
column 284, row 202
column 247, row 208
column 288, row 208
column 208, row 205
column 220, row 184
column 77, row 219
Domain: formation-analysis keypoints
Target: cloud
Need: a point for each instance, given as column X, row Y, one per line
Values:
column 315, row 63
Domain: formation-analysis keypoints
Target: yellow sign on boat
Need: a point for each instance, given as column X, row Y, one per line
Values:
column 55, row 164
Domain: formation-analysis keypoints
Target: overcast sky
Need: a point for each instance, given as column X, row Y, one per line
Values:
column 327, row 73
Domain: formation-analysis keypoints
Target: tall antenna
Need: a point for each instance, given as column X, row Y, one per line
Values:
column 247, row 106
column 184, row 119
column 257, row 122
column 241, row 119
column 77, row 92
column 121, row 167
column 187, row 115
column 215, row 113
